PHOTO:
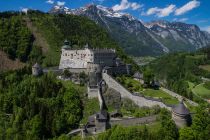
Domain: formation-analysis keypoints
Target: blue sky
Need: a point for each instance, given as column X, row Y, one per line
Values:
column 189, row 11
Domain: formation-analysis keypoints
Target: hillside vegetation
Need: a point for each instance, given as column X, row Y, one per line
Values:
column 175, row 71
column 39, row 36
column 15, row 38
column 37, row 108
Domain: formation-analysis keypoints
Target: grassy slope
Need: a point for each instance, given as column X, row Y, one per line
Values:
column 205, row 67
column 135, row 86
column 162, row 95
column 202, row 91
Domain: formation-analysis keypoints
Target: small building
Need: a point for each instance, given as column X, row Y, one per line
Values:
column 98, row 122
column 36, row 70
column 155, row 85
column 138, row 76
column 181, row 115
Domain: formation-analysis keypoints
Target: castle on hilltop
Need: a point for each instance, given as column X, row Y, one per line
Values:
column 86, row 59
column 91, row 60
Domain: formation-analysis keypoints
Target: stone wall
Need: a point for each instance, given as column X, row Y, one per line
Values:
column 92, row 92
column 134, row 121
column 140, row 101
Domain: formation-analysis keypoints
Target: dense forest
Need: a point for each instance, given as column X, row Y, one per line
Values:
column 37, row 108
column 174, row 71
column 15, row 38
column 46, row 108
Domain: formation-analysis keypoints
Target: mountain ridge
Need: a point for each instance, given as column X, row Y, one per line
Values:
column 139, row 38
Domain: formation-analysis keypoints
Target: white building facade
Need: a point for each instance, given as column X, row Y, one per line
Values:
column 81, row 59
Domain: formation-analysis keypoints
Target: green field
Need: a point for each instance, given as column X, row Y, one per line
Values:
column 201, row 91
column 162, row 95
column 205, row 67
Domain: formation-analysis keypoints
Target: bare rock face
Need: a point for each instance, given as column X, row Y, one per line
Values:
column 8, row 64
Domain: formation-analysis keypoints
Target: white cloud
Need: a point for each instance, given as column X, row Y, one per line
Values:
column 161, row 12
column 60, row 3
column 135, row 6
column 187, row 7
column 50, row 1
column 125, row 4
column 181, row 19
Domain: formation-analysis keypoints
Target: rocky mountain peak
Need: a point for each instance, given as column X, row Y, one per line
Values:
column 139, row 38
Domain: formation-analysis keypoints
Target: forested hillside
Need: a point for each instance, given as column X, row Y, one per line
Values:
column 37, row 108
column 175, row 71
column 17, row 36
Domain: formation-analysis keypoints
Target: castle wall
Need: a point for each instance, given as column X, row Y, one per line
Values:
column 134, row 121
column 81, row 58
column 92, row 92
column 140, row 101
column 75, row 58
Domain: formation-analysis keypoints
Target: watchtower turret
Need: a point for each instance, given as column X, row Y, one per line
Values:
column 181, row 115
column 36, row 70
column 67, row 45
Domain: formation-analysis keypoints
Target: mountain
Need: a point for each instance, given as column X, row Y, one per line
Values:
column 138, row 38
column 178, row 35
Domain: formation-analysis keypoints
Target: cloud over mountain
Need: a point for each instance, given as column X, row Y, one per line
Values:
column 172, row 8
column 125, row 4
column 187, row 7
column 161, row 12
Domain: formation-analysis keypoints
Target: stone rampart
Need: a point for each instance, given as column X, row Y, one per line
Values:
column 140, row 101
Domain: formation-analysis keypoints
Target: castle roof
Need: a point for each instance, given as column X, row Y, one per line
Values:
column 36, row 65
column 66, row 45
column 103, row 50
column 102, row 115
column 181, row 109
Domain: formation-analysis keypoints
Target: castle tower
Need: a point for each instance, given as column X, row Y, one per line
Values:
column 181, row 115
column 36, row 70
column 66, row 45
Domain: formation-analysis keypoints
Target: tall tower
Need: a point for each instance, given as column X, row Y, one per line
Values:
column 64, row 50
column 181, row 115
column 36, row 70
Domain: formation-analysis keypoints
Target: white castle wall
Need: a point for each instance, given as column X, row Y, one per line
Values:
column 75, row 58
column 81, row 58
